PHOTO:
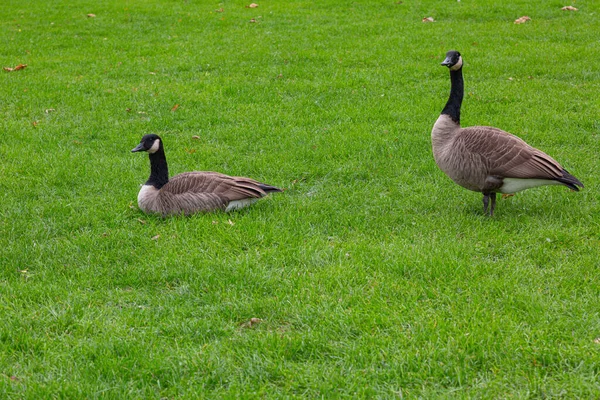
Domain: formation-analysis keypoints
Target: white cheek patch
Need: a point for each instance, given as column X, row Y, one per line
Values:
column 457, row 66
column 154, row 147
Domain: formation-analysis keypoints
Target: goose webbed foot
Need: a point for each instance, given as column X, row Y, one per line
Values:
column 486, row 202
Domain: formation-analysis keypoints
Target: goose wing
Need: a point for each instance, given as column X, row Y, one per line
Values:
column 214, row 183
column 508, row 156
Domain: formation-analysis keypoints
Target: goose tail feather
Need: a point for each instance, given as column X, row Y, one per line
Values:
column 570, row 181
column 269, row 188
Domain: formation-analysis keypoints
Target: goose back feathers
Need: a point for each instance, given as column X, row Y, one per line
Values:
column 486, row 159
column 192, row 192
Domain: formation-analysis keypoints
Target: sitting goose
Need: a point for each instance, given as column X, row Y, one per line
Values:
column 486, row 159
column 192, row 192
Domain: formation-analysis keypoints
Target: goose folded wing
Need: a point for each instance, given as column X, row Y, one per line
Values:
column 214, row 183
column 508, row 156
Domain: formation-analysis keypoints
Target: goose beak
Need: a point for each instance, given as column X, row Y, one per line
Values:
column 447, row 62
column 139, row 147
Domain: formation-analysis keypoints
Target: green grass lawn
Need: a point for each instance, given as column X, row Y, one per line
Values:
column 373, row 274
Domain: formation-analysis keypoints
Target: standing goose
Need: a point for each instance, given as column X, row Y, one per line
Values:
column 192, row 192
column 485, row 159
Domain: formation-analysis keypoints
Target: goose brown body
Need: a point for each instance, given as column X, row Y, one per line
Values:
column 191, row 192
column 487, row 159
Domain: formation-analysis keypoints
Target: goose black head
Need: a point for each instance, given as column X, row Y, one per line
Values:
column 150, row 143
column 453, row 60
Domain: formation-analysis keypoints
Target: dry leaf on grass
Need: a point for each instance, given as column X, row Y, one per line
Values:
column 49, row 110
column 175, row 107
column 17, row 68
column 196, row 137
column 155, row 237
column 252, row 20
column 569, row 8
column 191, row 151
column 522, row 20
column 428, row 19
column 507, row 195
column 91, row 15
column 252, row 322
column 230, row 222
column 597, row 340
column 219, row 10
column 253, row 5
column 141, row 221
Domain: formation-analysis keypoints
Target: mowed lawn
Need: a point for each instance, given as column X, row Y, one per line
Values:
column 372, row 276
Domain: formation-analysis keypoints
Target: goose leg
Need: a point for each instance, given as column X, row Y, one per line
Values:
column 486, row 202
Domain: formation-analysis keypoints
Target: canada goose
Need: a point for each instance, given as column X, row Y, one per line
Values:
column 486, row 159
column 192, row 192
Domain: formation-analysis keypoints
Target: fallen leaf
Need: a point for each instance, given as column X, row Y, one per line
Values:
column 399, row 2
column 17, row 68
column 196, row 137
column 175, row 107
column 522, row 20
column 141, row 221
column 49, row 110
column 191, row 151
column 152, row 73
column 35, row 123
column 507, row 195
column 215, row 222
column 252, row 20
column 14, row 378
column 155, row 237
column 252, row 322
column 428, row 19
column 253, row 5
column 597, row 340
column 230, row 222
column 510, row 78
column 569, row 8
column 220, row 10
column 91, row 15
column 128, row 109
column 105, row 234
column 141, row 112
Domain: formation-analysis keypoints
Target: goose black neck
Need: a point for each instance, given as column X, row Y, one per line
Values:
column 452, row 108
column 159, row 171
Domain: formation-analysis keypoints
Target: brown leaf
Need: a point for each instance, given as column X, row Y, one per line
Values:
column 175, row 107
column 35, row 123
column 597, row 340
column 253, row 5
column 252, row 322
column 522, row 20
column 569, row 8
column 252, row 20
column 91, row 15
column 155, row 237
column 17, row 68
column 428, row 19
column 128, row 109
column 220, row 10
column 191, row 151
column 141, row 221
column 49, row 110
column 14, row 378
column 196, row 137
column 507, row 195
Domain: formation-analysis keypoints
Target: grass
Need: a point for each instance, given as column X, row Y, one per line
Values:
column 373, row 274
